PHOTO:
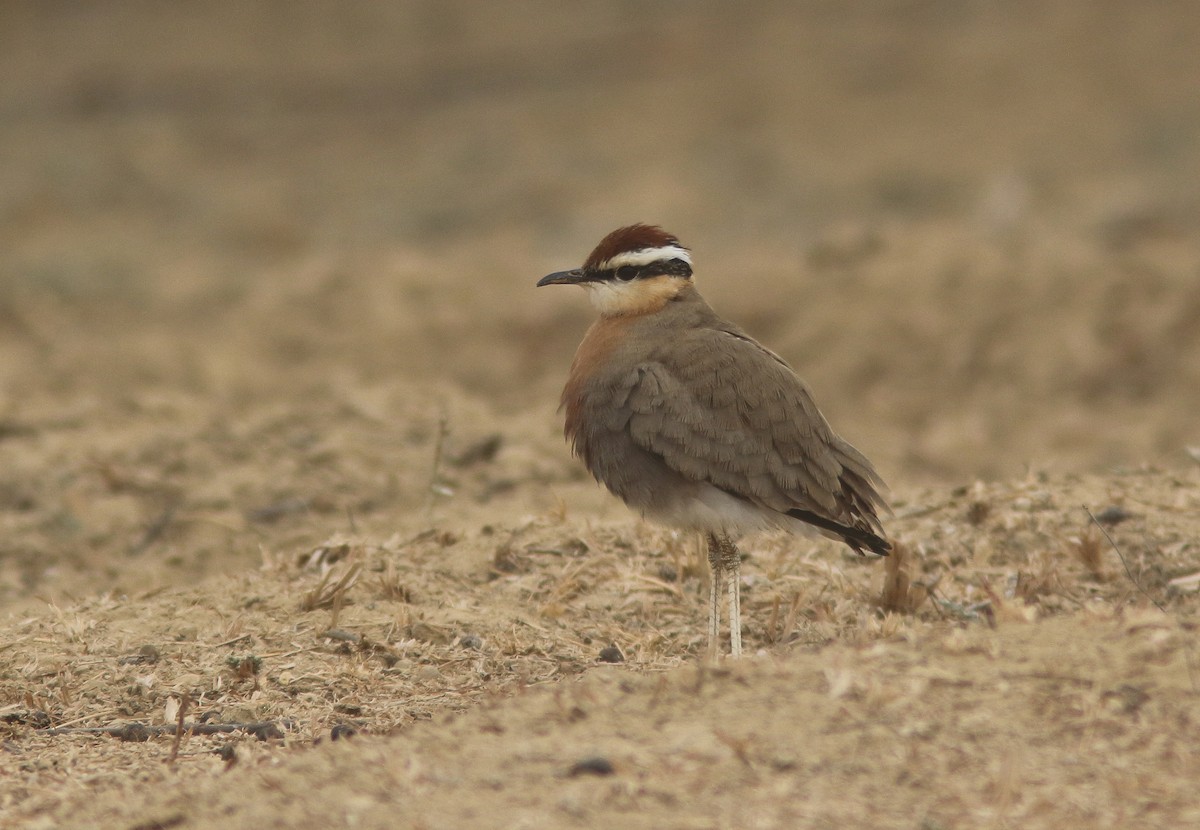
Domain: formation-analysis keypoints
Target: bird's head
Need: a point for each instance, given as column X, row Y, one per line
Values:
column 634, row 270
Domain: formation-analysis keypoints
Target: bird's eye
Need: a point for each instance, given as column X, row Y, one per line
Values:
column 626, row 273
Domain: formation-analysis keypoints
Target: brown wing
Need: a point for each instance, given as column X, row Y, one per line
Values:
column 718, row 407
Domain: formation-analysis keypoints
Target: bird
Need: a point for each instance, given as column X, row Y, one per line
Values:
column 693, row 423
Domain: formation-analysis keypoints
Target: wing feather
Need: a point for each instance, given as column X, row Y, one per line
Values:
column 761, row 438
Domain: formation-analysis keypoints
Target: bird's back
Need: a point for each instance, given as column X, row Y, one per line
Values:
column 679, row 409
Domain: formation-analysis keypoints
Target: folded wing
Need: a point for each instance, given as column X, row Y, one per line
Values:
column 760, row 437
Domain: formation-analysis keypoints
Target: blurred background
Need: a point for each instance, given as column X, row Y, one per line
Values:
column 254, row 256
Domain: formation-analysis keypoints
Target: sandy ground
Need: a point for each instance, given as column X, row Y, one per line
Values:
column 279, row 455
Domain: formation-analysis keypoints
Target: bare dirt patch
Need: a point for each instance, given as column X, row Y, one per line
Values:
column 279, row 457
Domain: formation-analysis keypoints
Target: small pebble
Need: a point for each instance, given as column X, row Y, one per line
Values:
column 342, row 730
column 149, row 653
column 611, row 654
column 146, row 654
column 265, row 731
column 595, row 765
column 1113, row 515
column 428, row 674
column 133, row 732
column 978, row 512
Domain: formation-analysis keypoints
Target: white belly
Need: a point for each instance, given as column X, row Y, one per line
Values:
column 711, row 510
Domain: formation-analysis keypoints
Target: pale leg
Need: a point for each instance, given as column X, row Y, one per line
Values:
column 726, row 565
column 733, row 573
column 716, row 577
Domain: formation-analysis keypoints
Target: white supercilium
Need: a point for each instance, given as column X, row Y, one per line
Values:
column 645, row 256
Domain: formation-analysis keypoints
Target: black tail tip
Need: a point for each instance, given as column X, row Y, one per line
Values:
column 872, row 542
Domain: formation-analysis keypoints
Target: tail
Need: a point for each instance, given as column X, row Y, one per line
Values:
column 856, row 537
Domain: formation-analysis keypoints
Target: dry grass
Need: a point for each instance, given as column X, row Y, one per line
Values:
column 289, row 533
column 370, row 634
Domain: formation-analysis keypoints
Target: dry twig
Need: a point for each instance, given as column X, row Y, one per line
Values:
column 436, row 488
column 137, row 731
column 183, row 706
column 325, row 595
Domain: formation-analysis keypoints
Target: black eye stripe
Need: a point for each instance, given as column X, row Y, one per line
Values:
column 670, row 267
column 677, row 268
